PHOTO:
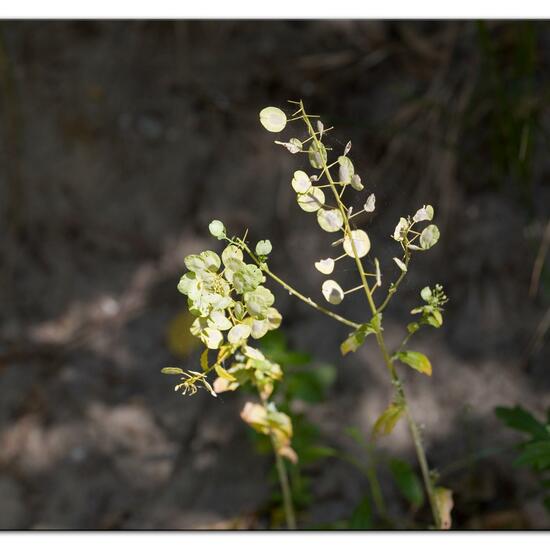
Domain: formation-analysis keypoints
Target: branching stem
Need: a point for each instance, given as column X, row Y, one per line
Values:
column 413, row 427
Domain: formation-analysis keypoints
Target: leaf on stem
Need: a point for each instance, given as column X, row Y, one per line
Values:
column 388, row 419
column 416, row 360
column 407, row 481
column 357, row 338
column 444, row 500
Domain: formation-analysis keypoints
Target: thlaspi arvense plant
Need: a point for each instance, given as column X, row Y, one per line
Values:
column 232, row 305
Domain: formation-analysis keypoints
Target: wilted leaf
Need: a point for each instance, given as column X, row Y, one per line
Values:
column 400, row 229
column 370, row 204
column 444, row 499
column 388, row 419
column 416, row 360
column 356, row 182
column 222, row 373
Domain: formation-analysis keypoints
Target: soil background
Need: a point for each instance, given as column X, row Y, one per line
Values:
column 120, row 141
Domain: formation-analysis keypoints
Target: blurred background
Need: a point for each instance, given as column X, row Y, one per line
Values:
column 120, row 141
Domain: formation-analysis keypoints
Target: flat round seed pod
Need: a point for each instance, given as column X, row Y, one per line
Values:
column 332, row 292
column 312, row 200
column 330, row 220
column 429, row 236
column 360, row 240
column 272, row 119
column 325, row 266
column 300, row 182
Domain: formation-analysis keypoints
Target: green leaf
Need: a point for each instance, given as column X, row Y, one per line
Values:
column 416, row 360
column 310, row 385
column 407, row 481
column 387, row 420
column 171, row 370
column 357, row 338
column 362, row 516
column 536, row 455
column 518, row 418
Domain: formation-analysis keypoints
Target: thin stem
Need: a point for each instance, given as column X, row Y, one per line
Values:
column 283, row 480
column 374, row 483
column 296, row 293
column 353, row 289
column 285, row 488
column 415, row 432
column 393, row 289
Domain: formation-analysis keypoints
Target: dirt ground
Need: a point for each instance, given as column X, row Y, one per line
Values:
column 119, row 142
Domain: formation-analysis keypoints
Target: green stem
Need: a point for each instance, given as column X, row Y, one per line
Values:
column 296, row 293
column 283, row 480
column 285, row 489
column 413, row 427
